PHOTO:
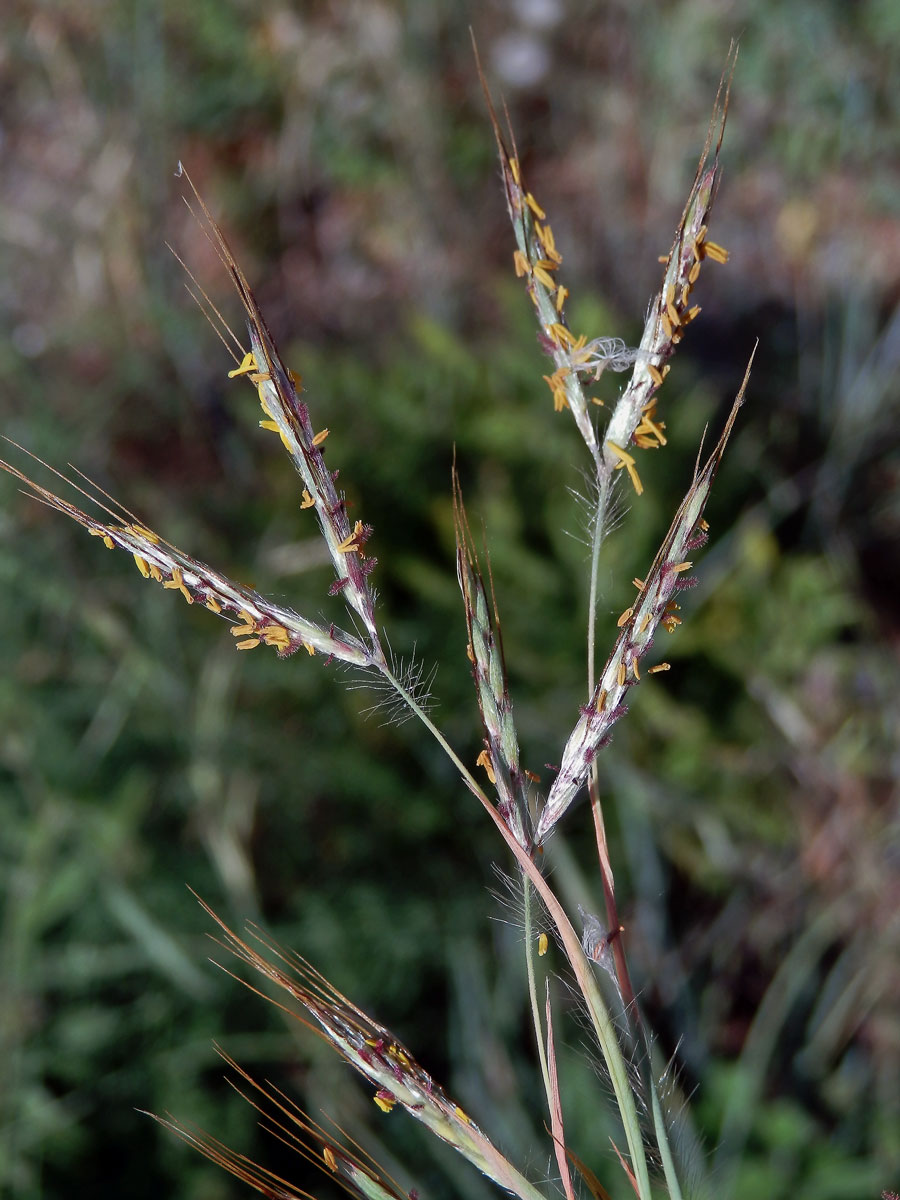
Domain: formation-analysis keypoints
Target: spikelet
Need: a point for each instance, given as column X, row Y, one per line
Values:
column 500, row 756
column 399, row 1080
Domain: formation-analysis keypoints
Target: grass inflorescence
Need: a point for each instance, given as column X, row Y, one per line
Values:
column 525, row 815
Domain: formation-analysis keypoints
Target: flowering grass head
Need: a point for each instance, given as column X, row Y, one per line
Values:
column 644, row 1143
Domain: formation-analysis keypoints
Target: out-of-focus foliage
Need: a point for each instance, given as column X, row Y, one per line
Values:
column 752, row 790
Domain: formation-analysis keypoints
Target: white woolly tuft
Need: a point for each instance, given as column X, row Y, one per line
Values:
column 413, row 675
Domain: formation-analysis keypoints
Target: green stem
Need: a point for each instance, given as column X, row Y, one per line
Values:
column 662, row 1137
column 532, row 990
column 417, row 710
column 596, row 543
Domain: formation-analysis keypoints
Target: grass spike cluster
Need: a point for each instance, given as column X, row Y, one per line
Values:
column 522, row 820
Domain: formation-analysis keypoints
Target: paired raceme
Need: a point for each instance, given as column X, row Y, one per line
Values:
column 537, row 260
column 655, row 605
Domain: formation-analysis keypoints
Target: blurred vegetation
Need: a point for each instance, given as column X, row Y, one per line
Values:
column 753, row 790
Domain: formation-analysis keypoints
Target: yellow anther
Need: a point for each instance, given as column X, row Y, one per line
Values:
column 320, row 437
column 555, row 383
column 147, row 534
column 385, row 1101
column 521, row 263
column 625, row 617
column 543, row 276
column 716, row 252
column 657, row 430
column 330, row 1160
column 560, row 335
column 142, row 566
column 249, row 644
column 660, row 667
column 107, row 540
column 534, row 206
column 549, row 243
column 308, row 501
column 213, row 605
column 543, row 943
column 272, row 426
column 351, row 542
column 177, row 584
column 275, row 635
column 627, row 460
column 248, row 364
column 484, row 760
column 620, row 674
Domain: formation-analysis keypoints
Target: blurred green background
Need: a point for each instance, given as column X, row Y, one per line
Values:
column 752, row 793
